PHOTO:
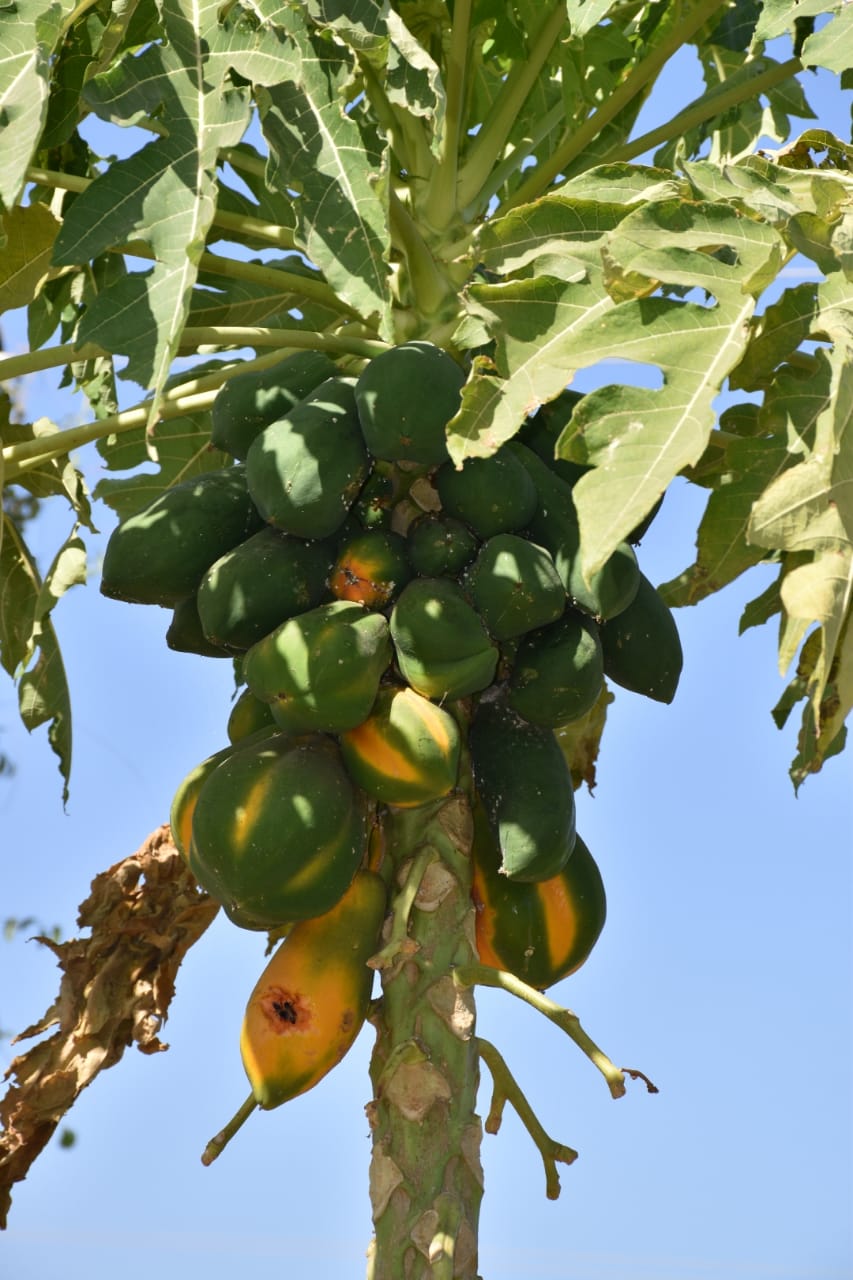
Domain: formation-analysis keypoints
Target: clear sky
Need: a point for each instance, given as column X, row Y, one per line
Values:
column 725, row 972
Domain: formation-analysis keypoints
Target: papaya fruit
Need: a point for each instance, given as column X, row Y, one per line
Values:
column 184, row 801
column 248, row 715
column 490, row 495
column 160, row 554
column 540, row 932
column 557, row 673
column 185, row 633
column 371, row 567
column 641, row 646
column 442, row 648
column 311, row 1000
column 542, row 432
column 251, row 401
column 525, row 786
column 278, row 830
column 320, row 671
column 406, row 752
column 555, row 527
column 372, row 508
column 514, row 586
column 440, row 546
column 305, row 470
column 259, row 584
column 406, row 396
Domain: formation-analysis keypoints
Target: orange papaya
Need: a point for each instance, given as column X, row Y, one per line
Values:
column 406, row 752
column 310, row 1002
column 539, row 932
column 371, row 568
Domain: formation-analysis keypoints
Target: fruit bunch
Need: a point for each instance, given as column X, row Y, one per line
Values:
column 383, row 607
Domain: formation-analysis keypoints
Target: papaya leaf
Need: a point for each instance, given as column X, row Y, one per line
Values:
column 830, row 46
column 758, row 611
column 778, row 16
column 586, row 14
column 28, row 233
column 30, row 32
column 51, row 476
column 337, row 168
column 775, row 334
column 183, row 451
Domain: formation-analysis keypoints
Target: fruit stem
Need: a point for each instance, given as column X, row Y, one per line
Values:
column 399, row 943
column 218, row 1144
column 505, row 1088
column 473, row 974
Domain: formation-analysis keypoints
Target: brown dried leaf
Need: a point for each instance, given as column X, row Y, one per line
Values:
column 143, row 914
column 580, row 741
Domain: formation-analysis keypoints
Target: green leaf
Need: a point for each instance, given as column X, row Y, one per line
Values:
column 182, row 446
column 778, row 16
column 830, row 47
column 337, row 168
column 30, row 31
column 586, row 14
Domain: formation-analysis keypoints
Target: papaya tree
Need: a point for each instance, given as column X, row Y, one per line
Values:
column 330, row 309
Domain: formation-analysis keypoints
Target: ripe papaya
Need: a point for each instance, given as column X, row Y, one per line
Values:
column 310, row 1002
column 443, row 650
column 406, row 396
column 185, row 633
column 251, row 401
column 320, row 671
column 371, row 568
column 557, row 672
column 259, row 584
column 406, row 752
column 514, row 586
column 555, row 526
column 525, row 785
column 539, row 932
column 305, row 470
column 440, row 546
column 641, row 647
column 490, row 495
column 248, row 715
column 278, row 830
column 160, row 554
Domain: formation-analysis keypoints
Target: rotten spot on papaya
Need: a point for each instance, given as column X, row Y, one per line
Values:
column 285, row 1011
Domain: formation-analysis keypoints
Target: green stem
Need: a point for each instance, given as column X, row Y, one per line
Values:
column 635, row 83
column 218, row 1144
column 399, row 944
column 439, row 208
column 249, row 164
column 704, row 109
column 490, row 141
column 77, row 12
column 425, row 1176
column 481, row 974
column 251, row 228
column 429, row 287
column 505, row 1088
column 513, row 161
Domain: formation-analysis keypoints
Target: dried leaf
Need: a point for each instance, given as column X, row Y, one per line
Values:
column 143, row 915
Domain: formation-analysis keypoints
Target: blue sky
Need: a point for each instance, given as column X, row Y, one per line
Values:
column 725, row 972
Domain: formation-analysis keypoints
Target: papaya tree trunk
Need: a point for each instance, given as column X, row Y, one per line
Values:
column 425, row 1178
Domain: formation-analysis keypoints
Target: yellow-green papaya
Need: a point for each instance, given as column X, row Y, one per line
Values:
column 406, row 752
column 443, row 650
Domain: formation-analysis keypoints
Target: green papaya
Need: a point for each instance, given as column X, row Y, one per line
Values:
column 443, row 650
column 258, row 585
column 515, row 586
column 320, row 671
column 641, row 647
column 185, row 633
column 540, row 932
column 251, row 401
column 557, row 673
column 542, row 432
column 160, row 554
column 248, row 716
column 278, row 831
column 305, row 470
column 555, row 526
column 406, row 396
column 525, row 785
column 372, row 508
column 491, row 495
column 440, row 546
column 184, row 800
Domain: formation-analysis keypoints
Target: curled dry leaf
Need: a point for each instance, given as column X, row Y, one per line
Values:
column 143, row 915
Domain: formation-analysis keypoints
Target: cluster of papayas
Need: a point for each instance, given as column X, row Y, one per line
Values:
column 363, row 585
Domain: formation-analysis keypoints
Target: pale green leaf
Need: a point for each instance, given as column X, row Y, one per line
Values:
column 183, row 451
column 30, row 31
column 28, row 233
column 775, row 334
column 830, row 46
column 777, row 16
column 586, row 14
